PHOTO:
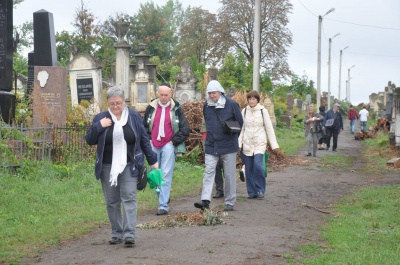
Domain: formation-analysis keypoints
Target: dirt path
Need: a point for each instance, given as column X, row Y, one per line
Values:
column 257, row 232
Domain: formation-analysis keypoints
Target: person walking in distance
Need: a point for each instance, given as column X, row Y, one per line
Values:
column 313, row 130
column 364, row 114
column 353, row 117
column 168, row 129
column 220, row 144
column 333, row 130
column 322, row 140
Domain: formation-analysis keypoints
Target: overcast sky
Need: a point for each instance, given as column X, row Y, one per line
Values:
column 370, row 28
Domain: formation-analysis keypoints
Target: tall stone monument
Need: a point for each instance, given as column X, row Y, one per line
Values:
column 49, row 94
column 185, row 90
column 122, row 58
column 143, row 80
column 7, row 99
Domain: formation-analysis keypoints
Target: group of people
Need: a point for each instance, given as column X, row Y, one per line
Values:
column 124, row 140
column 321, row 127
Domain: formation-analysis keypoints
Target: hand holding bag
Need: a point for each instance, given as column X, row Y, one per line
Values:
column 142, row 177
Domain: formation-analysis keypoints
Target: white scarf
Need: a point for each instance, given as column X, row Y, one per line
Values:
column 161, row 131
column 119, row 146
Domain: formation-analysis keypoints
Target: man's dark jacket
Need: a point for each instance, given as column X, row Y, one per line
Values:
column 97, row 135
column 218, row 142
column 338, row 122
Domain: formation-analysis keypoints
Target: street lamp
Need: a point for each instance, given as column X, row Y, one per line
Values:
column 329, row 71
column 319, row 58
column 340, row 70
column 348, row 85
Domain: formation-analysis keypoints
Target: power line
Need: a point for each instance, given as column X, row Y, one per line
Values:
column 378, row 55
column 361, row 25
column 313, row 51
column 307, row 8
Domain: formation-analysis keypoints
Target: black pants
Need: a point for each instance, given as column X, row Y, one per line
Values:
column 332, row 133
column 219, row 181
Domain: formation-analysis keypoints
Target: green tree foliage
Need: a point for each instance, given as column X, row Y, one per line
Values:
column 198, row 37
column 17, row 2
column 236, row 20
column 64, row 45
column 105, row 53
column 300, row 86
column 20, row 64
column 25, row 32
column 236, row 72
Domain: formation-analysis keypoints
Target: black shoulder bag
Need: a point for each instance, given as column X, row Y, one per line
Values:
column 230, row 127
column 142, row 177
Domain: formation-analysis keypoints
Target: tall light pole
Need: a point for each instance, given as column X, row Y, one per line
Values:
column 257, row 46
column 319, row 58
column 340, row 71
column 329, row 71
column 348, row 85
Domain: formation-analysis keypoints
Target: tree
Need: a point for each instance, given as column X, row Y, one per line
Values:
column 198, row 37
column 17, row 2
column 65, row 43
column 85, row 29
column 236, row 20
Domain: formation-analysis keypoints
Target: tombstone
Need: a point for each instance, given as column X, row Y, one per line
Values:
column 185, row 84
column 396, row 104
column 308, row 98
column 122, row 58
column 305, row 106
column 269, row 105
column 372, row 99
column 31, row 66
column 389, row 106
column 49, row 95
column 85, row 81
column 287, row 119
column 230, row 91
column 45, row 52
column 290, row 102
column 213, row 73
column 143, row 80
column 7, row 99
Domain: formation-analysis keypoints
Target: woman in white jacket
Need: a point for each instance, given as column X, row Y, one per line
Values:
column 257, row 130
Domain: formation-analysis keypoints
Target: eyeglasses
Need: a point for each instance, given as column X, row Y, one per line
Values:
column 251, row 99
column 113, row 104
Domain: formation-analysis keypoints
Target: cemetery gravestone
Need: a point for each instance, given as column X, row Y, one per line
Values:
column 7, row 99
column 45, row 53
column 186, row 80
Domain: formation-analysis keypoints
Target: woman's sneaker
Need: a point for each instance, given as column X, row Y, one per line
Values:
column 242, row 175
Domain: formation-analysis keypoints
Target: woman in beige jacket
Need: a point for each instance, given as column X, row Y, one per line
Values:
column 257, row 130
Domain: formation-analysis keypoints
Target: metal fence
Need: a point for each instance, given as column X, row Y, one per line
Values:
column 51, row 143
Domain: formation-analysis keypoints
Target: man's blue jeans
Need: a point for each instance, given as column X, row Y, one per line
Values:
column 166, row 162
column 352, row 125
column 363, row 125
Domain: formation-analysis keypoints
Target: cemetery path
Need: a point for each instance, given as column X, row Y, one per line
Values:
column 297, row 205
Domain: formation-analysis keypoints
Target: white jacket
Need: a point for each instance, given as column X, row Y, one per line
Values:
column 256, row 132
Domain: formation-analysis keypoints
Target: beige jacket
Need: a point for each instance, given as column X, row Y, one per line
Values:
column 255, row 132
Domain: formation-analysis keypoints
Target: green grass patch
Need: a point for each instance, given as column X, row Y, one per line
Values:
column 336, row 163
column 291, row 139
column 376, row 153
column 43, row 204
column 366, row 230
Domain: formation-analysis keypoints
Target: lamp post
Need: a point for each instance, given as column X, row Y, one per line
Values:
column 348, row 85
column 257, row 46
column 340, row 70
column 329, row 70
column 319, row 58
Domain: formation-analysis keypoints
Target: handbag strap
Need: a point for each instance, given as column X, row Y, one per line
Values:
column 133, row 159
column 219, row 118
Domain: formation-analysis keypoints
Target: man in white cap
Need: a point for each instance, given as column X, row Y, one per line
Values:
column 335, row 129
column 219, row 144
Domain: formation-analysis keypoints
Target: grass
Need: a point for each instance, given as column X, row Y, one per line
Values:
column 366, row 228
column 365, row 231
column 336, row 163
column 290, row 140
column 44, row 204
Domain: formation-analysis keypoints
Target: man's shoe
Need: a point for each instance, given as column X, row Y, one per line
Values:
column 218, row 195
column 242, row 175
column 334, row 150
column 260, row 195
column 129, row 241
column 228, row 207
column 114, row 241
column 162, row 212
column 204, row 204
column 252, row 197
column 309, row 154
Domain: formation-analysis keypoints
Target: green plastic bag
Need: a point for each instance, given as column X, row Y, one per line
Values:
column 266, row 155
column 154, row 178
